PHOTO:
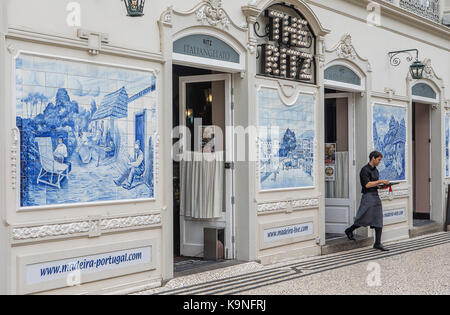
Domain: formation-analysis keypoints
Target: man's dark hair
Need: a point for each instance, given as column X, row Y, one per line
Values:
column 375, row 154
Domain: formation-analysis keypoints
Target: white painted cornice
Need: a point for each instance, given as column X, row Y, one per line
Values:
column 20, row 33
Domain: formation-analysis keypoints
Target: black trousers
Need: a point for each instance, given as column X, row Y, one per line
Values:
column 378, row 232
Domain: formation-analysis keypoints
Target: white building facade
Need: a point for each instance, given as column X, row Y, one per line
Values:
column 107, row 218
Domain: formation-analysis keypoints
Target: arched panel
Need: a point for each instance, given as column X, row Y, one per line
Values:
column 342, row 74
column 423, row 90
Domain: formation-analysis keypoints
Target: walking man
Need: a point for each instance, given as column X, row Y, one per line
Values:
column 370, row 212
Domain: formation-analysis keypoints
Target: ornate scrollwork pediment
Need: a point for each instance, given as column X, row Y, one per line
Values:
column 344, row 49
column 211, row 12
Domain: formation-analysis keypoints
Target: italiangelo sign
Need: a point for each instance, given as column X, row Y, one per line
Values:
column 205, row 46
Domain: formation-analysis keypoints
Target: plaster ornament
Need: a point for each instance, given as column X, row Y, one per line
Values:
column 428, row 70
column 12, row 49
column 447, row 104
column 212, row 13
column 346, row 49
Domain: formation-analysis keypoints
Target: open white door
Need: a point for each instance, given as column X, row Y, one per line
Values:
column 340, row 188
column 216, row 111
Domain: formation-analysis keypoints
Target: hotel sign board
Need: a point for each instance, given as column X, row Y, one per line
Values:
column 288, row 48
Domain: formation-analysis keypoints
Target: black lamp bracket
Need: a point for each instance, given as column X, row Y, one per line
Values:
column 395, row 59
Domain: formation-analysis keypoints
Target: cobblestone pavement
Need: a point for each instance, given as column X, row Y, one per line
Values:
column 415, row 266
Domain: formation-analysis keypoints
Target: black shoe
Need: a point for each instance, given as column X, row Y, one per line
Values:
column 350, row 235
column 380, row 247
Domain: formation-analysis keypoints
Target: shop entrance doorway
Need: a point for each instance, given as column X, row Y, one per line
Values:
column 339, row 163
column 421, row 140
column 203, row 168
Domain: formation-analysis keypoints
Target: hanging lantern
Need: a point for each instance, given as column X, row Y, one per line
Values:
column 135, row 7
column 417, row 70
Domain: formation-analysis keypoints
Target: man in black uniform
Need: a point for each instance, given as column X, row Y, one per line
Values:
column 370, row 212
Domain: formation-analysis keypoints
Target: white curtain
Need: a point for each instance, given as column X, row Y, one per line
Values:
column 202, row 185
column 339, row 187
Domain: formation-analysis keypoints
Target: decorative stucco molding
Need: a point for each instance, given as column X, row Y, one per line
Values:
column 92, row 227
column 251, row 13
column 344, row 49
column 287, row 206
column 274, row 206
column 157, row 155
column 167, row 16
column 12, row 49
column 447, row 104
column 390, row 92
column 50, row 230
column 208, row 12
column 211, row 12
column 305, row 203
column 15, row 144
column 121, row 223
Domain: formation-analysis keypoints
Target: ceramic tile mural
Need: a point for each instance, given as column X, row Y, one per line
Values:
column 286, row 139
column 389, row 137
column 447, row 138
column 87, row 131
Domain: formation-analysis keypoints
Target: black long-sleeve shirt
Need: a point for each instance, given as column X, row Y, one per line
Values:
column 368, row 174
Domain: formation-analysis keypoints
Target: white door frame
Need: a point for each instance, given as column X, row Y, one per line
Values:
column 351, row 202
column 229, row 246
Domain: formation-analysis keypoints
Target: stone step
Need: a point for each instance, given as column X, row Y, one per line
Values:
column 344, row 244
column 426, row 229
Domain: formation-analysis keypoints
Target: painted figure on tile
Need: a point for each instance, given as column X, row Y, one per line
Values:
column 135, row 167
column 83, row 148
column 60, row 152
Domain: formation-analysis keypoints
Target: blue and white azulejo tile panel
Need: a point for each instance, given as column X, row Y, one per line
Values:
column 286, row 141
column 87, row 131
column 389, row 137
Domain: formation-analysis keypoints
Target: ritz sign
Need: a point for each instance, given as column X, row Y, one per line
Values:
column 287, row 55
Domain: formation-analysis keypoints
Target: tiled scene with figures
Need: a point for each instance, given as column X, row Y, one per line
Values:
column 389, row 137
column 286, row 141
column 87, row 131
